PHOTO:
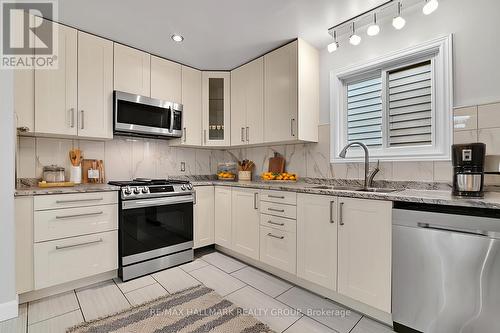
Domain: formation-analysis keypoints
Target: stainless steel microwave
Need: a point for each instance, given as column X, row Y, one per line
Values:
column 137, row 115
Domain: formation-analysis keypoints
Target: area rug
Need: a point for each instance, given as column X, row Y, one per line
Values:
column 194, row 310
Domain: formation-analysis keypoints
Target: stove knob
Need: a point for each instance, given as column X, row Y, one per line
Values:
column 137, row 190
column 183, row 187
column 127, row 191
column 190, row 186
column 145, row 190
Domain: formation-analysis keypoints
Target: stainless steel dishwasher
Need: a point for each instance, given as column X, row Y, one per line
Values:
column 446, row 269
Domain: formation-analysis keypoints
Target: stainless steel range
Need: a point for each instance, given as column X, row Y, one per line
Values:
column 155, row 225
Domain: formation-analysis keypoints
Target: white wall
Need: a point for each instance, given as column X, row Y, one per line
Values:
column 8, row 301
column 476, row 27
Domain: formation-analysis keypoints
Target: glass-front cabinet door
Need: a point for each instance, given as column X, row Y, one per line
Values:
column 216, row 96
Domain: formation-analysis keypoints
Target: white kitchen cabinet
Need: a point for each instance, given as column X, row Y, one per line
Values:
column 166, row 80
column 317, row 239
column 364, row 271
column 245, row 222
column 95, row 87
column 204, row 216
column 56, row 89
column 132, row 70
column 291, row 95
column 216, row 106
column 223, row 225
column 24, row 244
column 247, row 103
column 24, row 100
column 192, row 110
column 278, row 248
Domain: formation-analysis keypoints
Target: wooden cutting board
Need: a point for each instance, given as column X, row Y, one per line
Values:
column 60, row 184
column 277, row 164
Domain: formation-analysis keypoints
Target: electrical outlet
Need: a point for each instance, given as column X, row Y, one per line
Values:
column 183, row 166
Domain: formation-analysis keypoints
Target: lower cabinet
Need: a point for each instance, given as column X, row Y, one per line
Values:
column 278, row 248
column 70, row 259
column 364, row 272
column 317, row 239
column 223, row 225
column 24, row 244
column 245, row 222
column 204, row 216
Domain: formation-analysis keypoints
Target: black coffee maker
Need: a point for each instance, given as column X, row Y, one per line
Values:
column 468, row 169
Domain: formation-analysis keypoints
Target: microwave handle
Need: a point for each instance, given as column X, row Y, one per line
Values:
column 171, row 119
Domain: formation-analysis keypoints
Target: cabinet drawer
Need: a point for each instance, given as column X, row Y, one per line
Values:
column 278, row 249
column 289, row 198
column 280, row 210
column 57, row 201
column 74, row 258
column 61, row 223
column 279, row 223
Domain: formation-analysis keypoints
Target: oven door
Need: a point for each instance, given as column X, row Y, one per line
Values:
column 151, row 228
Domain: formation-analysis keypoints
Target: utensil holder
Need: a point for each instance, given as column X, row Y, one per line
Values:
column 245, row 175
column 76, row 174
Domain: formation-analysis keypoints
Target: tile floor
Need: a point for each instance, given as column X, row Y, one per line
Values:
column 277, row 303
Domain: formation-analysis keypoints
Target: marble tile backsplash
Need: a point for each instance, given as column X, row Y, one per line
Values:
column 126, row 158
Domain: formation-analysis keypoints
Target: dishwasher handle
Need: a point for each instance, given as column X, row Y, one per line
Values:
column 450, row 229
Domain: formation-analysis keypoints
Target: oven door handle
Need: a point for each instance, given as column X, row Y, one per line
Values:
column 132, row 204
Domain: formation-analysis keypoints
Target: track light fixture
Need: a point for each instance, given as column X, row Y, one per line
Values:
column 430, row 6
column 373, row 29
column 354, row 39
column 335, row 45
column 398, row 22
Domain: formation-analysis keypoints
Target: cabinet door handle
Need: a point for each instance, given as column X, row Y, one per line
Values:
column 82, row 116
column 72, row 117
column 274, row 236
column 78, row 215
column 292, row 129
column 194, row 197
column 205, row 136
column 341, row 214
column 248, row 134
column 255, row 195
column 242, row 134
column 79, row 200
column 276, row 196
column 185, row 134
column 276, row 223
column 276, row 210
column 62, row 247
column 332, row 220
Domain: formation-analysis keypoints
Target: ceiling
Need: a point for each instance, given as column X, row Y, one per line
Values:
column 219, row 34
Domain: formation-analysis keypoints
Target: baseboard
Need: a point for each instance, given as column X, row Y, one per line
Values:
column 9, row 310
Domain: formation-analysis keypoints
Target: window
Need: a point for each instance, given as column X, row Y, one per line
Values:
column 400, row 105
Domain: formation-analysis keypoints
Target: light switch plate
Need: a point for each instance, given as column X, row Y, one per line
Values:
column 183, row 166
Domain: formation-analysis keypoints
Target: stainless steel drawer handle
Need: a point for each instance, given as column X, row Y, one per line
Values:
column 276, row 210
column 450, row 229
column 79, row 200
column 276, row 223
column 276, row 196
column 341, row 214
column 274, row 236
column 79, row 215
column 79, row 244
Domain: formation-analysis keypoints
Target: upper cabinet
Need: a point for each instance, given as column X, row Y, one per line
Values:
column 166, row 80
column 56, row 89
column 95, row 86
column 191, row 103
column 291, row 95
column 247, row 103
column 132, row 69
column 216, row 103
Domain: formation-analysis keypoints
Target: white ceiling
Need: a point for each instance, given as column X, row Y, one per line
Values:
column 219, row 34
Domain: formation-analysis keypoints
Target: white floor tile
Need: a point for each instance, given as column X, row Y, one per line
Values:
column 57, row 324
column 306, row 324
column 227, row 264
column 101, row 299
column 175, row 279
column 196, row 264
column 264, row 282
column 16, row 325
column 134, row 284
column 52, row 306
column 265, row 308
column 218, row 280
column 321, row 309
column 366, row 325
column 145, row 294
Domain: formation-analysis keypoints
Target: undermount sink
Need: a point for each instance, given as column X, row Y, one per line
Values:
column 356, row 189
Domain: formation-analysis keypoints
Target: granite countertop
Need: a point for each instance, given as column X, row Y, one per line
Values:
column 439, row 196
column 31, row 191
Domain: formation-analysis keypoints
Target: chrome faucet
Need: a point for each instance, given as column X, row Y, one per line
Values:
column 368, row 178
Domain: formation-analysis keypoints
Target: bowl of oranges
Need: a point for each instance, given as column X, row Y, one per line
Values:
column 279, row 177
